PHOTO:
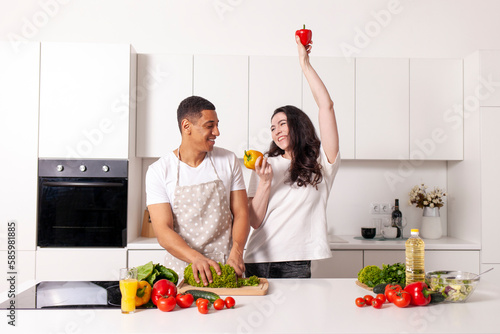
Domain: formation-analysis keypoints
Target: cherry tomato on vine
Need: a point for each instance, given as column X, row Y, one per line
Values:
column 402, row 299
column 203, row 308
column 166, row 304
column 382, row 297
column 229, row 302
column 368, row 299
column 377, row 303
column 360, row 302
column 219, row 304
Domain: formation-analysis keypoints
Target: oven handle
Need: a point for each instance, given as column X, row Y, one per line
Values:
column 83, row 184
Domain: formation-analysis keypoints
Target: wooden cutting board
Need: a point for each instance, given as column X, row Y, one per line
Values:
column 363, row 285
column 258, row 290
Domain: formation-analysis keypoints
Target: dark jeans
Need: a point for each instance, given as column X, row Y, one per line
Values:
column 289, row 269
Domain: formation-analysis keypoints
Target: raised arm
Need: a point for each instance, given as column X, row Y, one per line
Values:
column 327, row 122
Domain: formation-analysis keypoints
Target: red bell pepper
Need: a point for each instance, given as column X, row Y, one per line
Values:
column 305, row 35
column 163, row 288
column 420, row 294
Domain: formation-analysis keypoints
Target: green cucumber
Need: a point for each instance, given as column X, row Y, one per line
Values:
column 380, row 288
column 437, row 297
column 211, row 296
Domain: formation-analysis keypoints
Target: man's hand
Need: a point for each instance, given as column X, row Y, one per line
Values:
column 235, row 260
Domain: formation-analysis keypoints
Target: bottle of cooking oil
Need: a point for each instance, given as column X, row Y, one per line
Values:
column 415, row 258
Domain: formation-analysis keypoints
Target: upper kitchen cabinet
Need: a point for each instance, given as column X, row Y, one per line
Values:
column 382, row 108
column 490, row 183
column 338, row 76
column 223, row 80
column 163, row 82
column 273, row 83
column 87, row 101
column 19, row 85
column 436, row 93
column 488, row 90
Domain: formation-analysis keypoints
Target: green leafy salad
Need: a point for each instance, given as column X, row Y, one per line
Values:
column 154, row 272
column 373, row 275
column 227, row 278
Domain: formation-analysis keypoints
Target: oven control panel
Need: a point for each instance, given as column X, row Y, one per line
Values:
column 82, row 168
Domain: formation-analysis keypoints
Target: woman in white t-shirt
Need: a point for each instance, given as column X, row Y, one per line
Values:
column 288, row 192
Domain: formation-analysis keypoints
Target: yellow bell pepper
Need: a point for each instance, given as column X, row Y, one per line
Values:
column 143, row 293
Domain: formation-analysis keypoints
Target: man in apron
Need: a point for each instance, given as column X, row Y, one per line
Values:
column 196, row 197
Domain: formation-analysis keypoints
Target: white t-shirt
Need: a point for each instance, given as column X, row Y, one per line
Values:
column 161, row 176
column 294, row 227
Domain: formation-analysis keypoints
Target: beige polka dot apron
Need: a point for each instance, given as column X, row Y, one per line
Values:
column 202, row 217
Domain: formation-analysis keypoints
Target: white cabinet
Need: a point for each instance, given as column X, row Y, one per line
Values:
column 434, row 259
column 86, row 105
column 436, row 92
column 273, row 82
column 488, row 90
column 223, row 80
column 163, row 81
column 490, row 183
column 19, row 85
column 71, row 264
column 382, row 108
column 24, row 269
column 141, row 257
column 338, row 76
column 342, row 264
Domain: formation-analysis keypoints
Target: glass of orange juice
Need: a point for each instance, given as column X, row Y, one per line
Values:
column 128, row 289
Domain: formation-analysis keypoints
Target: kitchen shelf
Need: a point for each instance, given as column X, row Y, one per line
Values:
column 144, row 243
column 348, row 242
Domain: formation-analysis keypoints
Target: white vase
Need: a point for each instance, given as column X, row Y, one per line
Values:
column 431, row 224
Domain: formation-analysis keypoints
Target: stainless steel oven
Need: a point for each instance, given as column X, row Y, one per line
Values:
column 82, row 203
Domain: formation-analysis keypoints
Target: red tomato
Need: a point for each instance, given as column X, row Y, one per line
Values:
column 230, row 302
column 360, row 302
column 166, row 304
column 382, row 297
column 203, row 308
column 161, row 288
column 200, row 301
column 184, row 300
column 219, row 304
column 402, row 299
column 391, row 290
column 368, row 299
column 377, row 303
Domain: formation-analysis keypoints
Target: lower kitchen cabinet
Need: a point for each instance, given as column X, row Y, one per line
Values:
column 70, row 264
column 140, row 257
column 24, row 267
column 342, row 264
column 434, row 259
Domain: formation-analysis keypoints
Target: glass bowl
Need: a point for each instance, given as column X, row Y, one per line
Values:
column 456, row 286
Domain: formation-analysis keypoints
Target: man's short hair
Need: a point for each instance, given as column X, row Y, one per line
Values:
column 191, row 109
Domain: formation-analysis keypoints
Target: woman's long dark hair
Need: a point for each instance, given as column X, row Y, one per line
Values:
column 304, row 168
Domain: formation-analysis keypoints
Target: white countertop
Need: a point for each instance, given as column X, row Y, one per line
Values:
column 351, row 242
column 291, row 306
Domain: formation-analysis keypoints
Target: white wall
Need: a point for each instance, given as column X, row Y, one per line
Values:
column 423, row 28
column 357, row 28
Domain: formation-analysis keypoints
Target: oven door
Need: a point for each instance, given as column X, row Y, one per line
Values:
column 82, row 212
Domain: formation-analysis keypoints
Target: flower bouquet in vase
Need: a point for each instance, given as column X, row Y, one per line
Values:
column 430, row 202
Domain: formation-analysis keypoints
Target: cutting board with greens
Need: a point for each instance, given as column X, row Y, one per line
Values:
column 227, row 283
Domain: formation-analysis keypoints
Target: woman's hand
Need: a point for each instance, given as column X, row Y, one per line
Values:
column 303, row 50
column 264, row 170
column 202, row 265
